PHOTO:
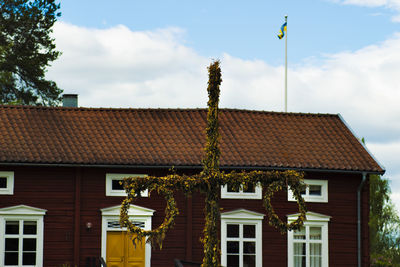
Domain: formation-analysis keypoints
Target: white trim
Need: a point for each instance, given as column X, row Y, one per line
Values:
column 323, row 198
column 312, row 220
column 9, row 190
column 120, row 176
column 242, row 216
column 242, row 213
column 23, row 213
column 137, row 213
column 311, row 216
column 257, row 194
column 22, row 210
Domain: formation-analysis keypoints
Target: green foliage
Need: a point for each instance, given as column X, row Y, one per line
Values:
column 384, row 225
column 26, row 50
column 209, row 182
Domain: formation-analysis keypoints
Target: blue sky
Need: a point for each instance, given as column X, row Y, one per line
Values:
column 344, row 57
column 246, row 29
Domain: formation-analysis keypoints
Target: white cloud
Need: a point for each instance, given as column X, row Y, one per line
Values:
column 395, row 197
column 361, row 85
column 117, row 67
column 389, row 154
column 390, row 4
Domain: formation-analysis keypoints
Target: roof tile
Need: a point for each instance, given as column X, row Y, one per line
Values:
column 174, row 137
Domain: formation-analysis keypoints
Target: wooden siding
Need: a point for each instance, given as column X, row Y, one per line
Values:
column 53, row 189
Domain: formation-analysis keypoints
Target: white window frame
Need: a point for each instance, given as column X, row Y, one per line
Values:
column 242, row 216
column 9, row 190
column 23, row 213
column 120, row 176
column 257, row 194
column 312, row 220
column 323, row 198
column 137, row 214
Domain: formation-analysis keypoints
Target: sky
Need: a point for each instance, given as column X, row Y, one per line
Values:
column 343, row 58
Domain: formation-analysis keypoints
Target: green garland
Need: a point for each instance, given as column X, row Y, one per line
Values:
column 209, row 182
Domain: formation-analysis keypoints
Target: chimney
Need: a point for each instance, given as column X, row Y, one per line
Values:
column 70, row 100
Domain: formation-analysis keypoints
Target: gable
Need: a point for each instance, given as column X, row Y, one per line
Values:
column 133, row 210
column 22, row 210
column 311, row 216
column 242, row 213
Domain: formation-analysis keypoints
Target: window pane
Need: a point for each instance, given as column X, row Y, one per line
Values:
column 249, row 231
column 249, row 261
column 232, row 247
column 315, row 249
column 233, row 261
column 116, row 185
column 249, row 247
column 29, row 228
column 299, row 249
column 300, row 234
column 12, row 227
column 250, row 189
column 299, row 261
column 315, row 190
column 11, row 244
column 230, row 189
column 232, row 230
column 315, row 261
column 315, row 233
column 3, row 182
column 29, row 244
column 11, row 258
column 29, row 258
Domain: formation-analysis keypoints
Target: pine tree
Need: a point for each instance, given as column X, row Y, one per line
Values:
column 26, row 50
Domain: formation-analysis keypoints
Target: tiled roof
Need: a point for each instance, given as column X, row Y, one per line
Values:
column 176, row 137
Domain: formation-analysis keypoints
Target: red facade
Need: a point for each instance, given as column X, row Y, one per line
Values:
column 73, row 196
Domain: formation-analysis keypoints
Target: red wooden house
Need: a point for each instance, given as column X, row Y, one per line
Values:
column 60, row 196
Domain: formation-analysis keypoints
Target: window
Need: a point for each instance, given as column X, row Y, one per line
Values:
column 21, row 236
column 308, row 247
column 6, row 183
column 316, row 191
column 113, row 186
column 241, row 238
column 250, row 193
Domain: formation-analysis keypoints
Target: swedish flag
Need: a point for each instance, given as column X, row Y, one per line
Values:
column 282, row 30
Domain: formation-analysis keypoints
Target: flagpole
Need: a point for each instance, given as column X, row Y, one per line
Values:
column 286, row 64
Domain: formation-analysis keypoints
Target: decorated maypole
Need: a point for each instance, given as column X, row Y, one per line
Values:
column 211, row 170
column 209, row 182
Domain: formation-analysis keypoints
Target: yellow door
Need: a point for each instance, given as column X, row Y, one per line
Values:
column 122, row 253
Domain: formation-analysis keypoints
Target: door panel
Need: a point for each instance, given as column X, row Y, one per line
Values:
column 135, row 255
column 115, row 249
column 122, row 253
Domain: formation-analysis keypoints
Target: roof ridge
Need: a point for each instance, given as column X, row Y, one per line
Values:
column 164, row 109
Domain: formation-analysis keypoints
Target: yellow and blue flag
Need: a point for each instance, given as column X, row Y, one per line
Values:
column 282, row 30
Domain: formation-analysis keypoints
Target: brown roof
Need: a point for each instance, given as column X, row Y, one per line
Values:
column 176, row 137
